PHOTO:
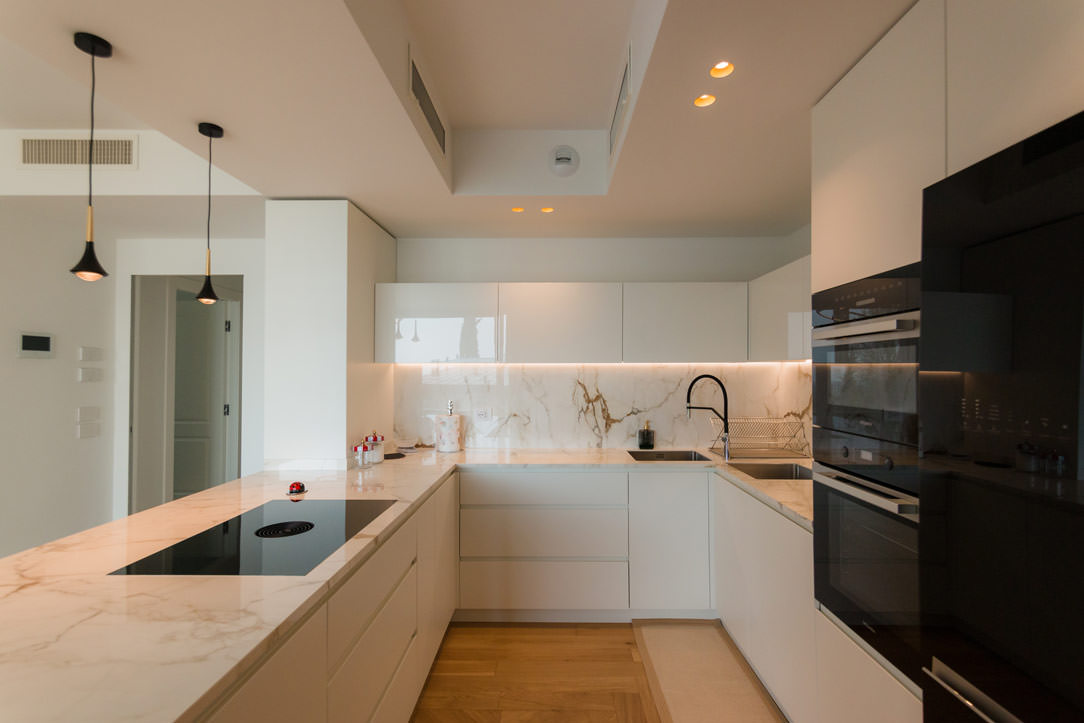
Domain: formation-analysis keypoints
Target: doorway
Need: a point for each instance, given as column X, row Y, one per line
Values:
column 185, row 401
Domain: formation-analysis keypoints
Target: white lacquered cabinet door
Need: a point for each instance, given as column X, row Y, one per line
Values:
column 560, row 322
column 438, row 570
column 668, row 541
column 685, row 322
column 436, row 323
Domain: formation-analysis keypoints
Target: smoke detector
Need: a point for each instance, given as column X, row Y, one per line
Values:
column 564, row 160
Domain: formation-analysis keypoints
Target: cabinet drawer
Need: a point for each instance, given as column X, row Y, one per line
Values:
column 544, row 532
column 402, row 694
column 356, row 688
column 543, row 585
column 543, row 488
column 353, row 605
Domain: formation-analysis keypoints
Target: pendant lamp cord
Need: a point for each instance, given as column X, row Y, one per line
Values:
column 90, row 154
column 210, row 141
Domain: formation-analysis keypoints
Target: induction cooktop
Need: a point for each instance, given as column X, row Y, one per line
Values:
column 282, row 537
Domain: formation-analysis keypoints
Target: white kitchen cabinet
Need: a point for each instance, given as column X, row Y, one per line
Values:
column 685, row 322
column 780, row 321
column 1041, row 85
column 764, row 595
column 438, row 571
column 291, row 685
column 543, row 540
column 852, row 687
column 560, row 322
column 878, row 140
column 436, row 323
column 668, row 541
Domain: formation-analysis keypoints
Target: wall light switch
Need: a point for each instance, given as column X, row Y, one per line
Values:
column 91, row 374
column 483, row 414
column 90, row 429
column 91, row 353
column 88, row 414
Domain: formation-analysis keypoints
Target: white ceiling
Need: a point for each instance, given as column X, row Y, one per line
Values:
column 308, row 112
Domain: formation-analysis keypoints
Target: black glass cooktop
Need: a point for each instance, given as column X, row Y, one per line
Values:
column 277, row 538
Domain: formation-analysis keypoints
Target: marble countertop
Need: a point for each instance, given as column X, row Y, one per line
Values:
column 80, row 644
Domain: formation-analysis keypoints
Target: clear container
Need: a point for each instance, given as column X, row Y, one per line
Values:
column 361, row 456
column 375, row 442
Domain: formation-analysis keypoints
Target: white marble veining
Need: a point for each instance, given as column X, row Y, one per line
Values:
column 597, row 405
column 80, row 644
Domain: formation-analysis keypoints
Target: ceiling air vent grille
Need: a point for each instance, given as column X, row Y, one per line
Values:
column 426, row 103
column 73, row 152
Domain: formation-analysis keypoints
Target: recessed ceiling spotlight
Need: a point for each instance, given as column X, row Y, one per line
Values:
column 703, row 101
column 721, row 69
column 546, row 209
column 517, row 209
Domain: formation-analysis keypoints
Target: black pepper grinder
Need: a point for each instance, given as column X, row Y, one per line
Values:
column 646, row 436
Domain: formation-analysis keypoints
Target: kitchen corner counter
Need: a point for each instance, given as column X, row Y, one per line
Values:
column 80, row 644
column 791, row 498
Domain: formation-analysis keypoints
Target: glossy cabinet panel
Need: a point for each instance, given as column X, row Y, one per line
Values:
column 685, row 322
column 780, row 320
column 436, row 323
column 560, row 322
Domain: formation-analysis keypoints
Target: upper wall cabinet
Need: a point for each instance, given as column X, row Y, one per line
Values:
column 685, row 322
column 560, row 322
column 779, row 316
column 878, row 140
column 436, row 323
column 1038, row 51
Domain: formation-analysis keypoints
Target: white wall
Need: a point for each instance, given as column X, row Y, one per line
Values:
column 323, row 258
column 596, row 259
column 54, row 483
column 242, row 257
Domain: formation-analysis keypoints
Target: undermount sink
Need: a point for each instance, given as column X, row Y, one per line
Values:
column 667, row 455
column 768, row 470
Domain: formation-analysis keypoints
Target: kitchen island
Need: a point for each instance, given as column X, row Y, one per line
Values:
column 81, row 644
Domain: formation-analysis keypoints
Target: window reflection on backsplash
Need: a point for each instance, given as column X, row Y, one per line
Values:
column 593, row 405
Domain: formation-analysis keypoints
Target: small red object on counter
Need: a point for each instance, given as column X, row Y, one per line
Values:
column 297, row 488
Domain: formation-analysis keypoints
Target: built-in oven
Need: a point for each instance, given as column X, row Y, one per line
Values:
column 865, row 474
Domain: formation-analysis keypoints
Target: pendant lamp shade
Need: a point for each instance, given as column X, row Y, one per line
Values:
column 207, row 294
column 89, row 268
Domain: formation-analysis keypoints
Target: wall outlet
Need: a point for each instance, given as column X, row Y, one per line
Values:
column 483, row 414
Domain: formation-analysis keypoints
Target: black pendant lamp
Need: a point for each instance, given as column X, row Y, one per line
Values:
column 88, row 268
column 207, row 294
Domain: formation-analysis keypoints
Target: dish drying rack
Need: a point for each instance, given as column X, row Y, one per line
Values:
column 762, row 436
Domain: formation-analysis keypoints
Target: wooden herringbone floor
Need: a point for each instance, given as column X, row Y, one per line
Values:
column 490, row 673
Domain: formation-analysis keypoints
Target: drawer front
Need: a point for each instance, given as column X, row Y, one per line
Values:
column 355, row 690
column 402, row 695
column 543, row 585
column 353, row 605
column 543, row 488
column 544, row 532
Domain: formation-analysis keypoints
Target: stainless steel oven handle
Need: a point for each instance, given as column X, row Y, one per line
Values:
column 847, row 330
column 983, row 706
column 875, row 495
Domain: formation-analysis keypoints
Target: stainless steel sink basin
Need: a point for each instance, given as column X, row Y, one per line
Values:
column 667, row 455
column 768, row 470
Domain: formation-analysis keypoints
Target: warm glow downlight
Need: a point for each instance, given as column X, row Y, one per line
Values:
column 517, row 209
column 704, row 101
column 546, row 209
column 721, row 69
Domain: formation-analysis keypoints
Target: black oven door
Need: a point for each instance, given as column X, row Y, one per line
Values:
column 865, row 375
column 866, row 563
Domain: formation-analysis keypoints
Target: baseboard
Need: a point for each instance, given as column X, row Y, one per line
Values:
column 578, row 616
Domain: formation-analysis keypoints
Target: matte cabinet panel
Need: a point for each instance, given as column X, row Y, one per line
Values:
column 685, row 322
column 438, row 570
column 878, row 140
column 543, row 585
column 764, row 595
column 300, row 661
column 852, row 687
column 544, row 532
column 402, row 694
column 668, row 541
column 543, row 488
column 560, row 322
column 1041, row 85
column 431, row 323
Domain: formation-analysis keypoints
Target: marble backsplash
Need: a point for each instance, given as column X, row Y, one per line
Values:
column 545, row 406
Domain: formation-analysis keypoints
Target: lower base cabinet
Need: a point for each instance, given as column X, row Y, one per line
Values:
column 544, row 585
column 764, row 595
column 852, row 687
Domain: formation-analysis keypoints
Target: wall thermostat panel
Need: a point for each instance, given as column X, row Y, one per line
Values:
column 36, row 344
